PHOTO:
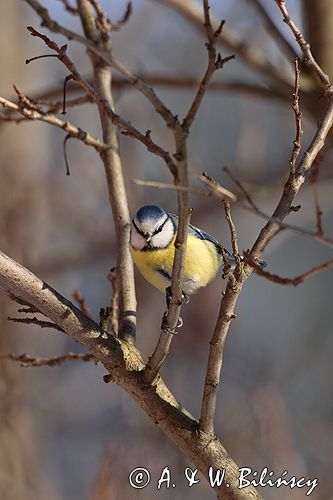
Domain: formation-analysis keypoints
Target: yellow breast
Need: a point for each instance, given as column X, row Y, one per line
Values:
column 201, row 264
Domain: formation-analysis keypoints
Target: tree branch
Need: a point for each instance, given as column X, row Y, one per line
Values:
column 114, row 174
column 105, row 56
column 125, row 126
column 297, row 280
column 297, row 176
column 226, row 314
column 124, row 363
column 274, row 31
column 27, row 361
column 72, row 130
column 250, row 54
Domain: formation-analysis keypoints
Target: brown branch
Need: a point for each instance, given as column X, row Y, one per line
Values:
column 241, row 187
column 297, row 280
column 175, row 82
column 297, row 178
column 313, row 178
column 274, row 31
column 298, row 119
column 170, row 321
column 181, row 131
column 226, row 314
column 51, row 119
column 308, row 58
column 171, row 187
column 212, row 379
column 35, row 321
column 232, row 229
column 215, row 62
column 72, row 10
column 127, row 14
column 27, row 361
column 82, row 303
column 250, row 54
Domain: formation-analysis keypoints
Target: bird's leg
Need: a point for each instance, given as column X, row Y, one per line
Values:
column 185, row 300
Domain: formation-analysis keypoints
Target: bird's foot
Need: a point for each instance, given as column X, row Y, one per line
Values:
column 186, row 298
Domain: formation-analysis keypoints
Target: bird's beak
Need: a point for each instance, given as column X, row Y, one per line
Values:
column 148, row 237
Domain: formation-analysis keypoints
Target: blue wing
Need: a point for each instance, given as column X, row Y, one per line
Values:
column 198, row 233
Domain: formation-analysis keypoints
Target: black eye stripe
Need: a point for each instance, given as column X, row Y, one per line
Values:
column 159, row 229
column 137, row 229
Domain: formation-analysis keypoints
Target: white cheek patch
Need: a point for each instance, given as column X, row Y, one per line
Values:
column 162, row 239
column 137, row 241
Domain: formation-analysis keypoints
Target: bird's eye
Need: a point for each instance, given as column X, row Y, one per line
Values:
column 139, row 230
column 159, row 229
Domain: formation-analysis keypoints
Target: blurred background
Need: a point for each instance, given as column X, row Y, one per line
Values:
column 64, row 434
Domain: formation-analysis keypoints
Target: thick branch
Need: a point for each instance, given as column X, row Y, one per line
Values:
column 124, row 363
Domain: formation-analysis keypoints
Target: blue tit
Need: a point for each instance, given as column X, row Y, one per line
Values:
column 153, row 234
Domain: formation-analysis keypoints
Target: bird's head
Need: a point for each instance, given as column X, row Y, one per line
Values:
column 152, row 228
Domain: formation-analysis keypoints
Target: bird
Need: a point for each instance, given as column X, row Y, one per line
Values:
column 152, row 237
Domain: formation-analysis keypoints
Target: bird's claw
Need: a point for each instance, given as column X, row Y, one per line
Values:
column 186, row 298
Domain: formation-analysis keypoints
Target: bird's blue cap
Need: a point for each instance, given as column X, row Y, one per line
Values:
column 149, row 212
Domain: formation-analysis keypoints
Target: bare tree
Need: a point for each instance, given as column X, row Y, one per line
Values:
column 114, row 346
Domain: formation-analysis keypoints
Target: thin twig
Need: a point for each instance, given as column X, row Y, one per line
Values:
column 242, row 188
column 72, row 10
column 72, row 130
column 213, row 372
column 215, row 189
column 82, row 303
column 297, row 178
column 253, row 56
column 274, row 31
column 183, row 82
column 27, row 361
column 169, row 323
column 35, row 321
column 233, row 233
column 297, row 280
column 170, row 320
column 215, row 62
column 226, row 314
column 308, row 58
